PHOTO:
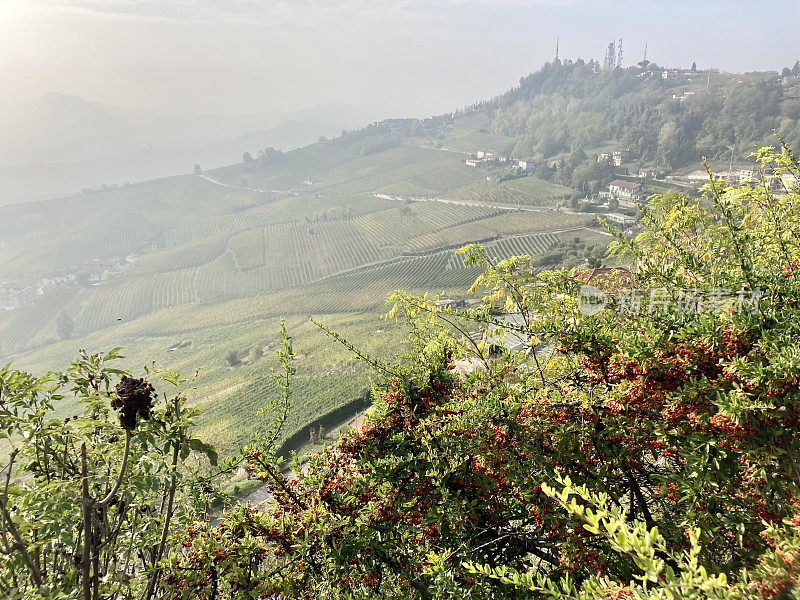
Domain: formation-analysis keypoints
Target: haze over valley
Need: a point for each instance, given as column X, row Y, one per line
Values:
column 58, row 144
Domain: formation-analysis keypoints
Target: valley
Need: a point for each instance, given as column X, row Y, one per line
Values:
column 212, row 261
column 194, row 271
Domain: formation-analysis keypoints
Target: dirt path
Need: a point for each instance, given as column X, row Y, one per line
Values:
column 262, row 494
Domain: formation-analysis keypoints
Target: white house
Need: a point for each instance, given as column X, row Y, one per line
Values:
column 620, row 219
column 527, row 164
column 625, row 190
column 747, row 174
column 789, row 180
column 620, row 156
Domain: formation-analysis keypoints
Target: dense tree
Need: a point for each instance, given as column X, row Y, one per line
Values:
column 65, row 326
column 232, row 358
column 270, row 155
column 566, row 106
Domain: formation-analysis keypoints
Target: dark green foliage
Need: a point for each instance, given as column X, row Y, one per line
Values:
column 65, row 326
column 232, row 358
column 569, row 105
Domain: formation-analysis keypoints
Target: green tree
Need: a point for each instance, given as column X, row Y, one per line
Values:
column 65, row 326
column 232, row 358
column 669, row 146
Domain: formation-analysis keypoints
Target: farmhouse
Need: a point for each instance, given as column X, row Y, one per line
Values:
column 625, row 190
column 747, row 174
column 449, row 303
column 616, row 277
column 620, row 219
column 527, row 164
column 620, row 156
column 478, row 162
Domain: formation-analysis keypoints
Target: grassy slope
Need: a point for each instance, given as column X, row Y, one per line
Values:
column 218, row 266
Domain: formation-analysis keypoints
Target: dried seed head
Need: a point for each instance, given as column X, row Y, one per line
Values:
column 134, row 399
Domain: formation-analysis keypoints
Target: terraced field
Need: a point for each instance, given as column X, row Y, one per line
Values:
column 179, row 258
column 246, row 247
column 503, row 224
column 524, row 191
column 212, row 268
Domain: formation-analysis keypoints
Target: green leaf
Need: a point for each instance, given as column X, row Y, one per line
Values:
column 207, row 449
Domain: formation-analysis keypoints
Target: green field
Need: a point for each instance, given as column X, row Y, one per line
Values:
column 212, row 268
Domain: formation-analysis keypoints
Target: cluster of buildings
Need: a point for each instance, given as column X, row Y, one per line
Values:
column 777, row 182
column 15, row 294
column 678, row 74
column 483, row 159
column 618, row 157
column 686, row 95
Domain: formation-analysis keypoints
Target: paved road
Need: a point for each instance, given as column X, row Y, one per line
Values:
column 481, row 204
column 240, row 187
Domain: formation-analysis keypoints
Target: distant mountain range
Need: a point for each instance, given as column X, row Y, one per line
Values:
column 58, row 144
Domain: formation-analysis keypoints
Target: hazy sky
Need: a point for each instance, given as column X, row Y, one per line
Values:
column 410, row 56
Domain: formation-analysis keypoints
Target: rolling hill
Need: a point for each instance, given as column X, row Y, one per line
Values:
column 211, row 261
column 194, row 271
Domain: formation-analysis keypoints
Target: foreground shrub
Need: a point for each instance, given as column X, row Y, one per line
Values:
column 89, row 501
column 645, row 447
